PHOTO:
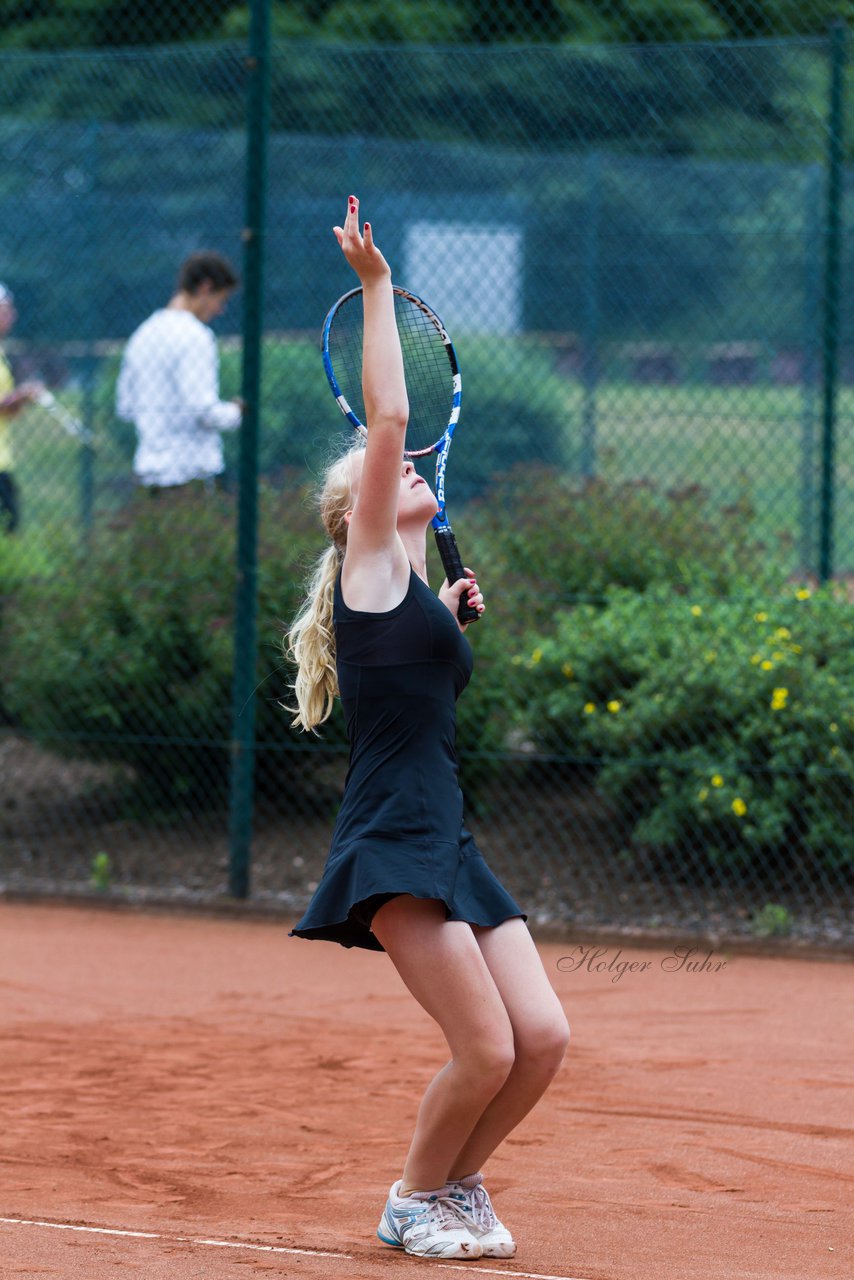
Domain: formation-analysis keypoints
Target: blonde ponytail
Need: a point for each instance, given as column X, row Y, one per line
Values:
column 310, row 643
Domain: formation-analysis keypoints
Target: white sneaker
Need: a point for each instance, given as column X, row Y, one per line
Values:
column 426, row 1224
column 474, row 1209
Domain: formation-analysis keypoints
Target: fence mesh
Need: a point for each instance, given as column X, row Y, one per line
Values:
column 629, row 245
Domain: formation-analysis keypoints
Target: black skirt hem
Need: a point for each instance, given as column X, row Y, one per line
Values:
column 350, row 932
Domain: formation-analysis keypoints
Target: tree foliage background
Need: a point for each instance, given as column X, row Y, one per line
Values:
column 41, row 24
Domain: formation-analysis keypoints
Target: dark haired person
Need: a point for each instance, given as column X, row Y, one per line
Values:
column 169, row 381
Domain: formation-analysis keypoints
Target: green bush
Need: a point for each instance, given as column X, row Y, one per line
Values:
column 124, row 652
column 301, row 425
column 514, row 412
column 721, row 729
column 541, row 539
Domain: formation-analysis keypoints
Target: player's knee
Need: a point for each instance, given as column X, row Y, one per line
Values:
column 542, row 1045
column 491, row 1061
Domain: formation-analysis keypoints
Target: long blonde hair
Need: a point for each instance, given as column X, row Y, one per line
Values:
column 310, row 643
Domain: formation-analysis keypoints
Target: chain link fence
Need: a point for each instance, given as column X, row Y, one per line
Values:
column 640, row 251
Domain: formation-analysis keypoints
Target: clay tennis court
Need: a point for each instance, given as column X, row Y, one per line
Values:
column 218, row 1100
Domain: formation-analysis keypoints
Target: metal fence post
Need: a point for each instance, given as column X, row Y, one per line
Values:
column 811, row 360
column 245, row 605
column 832, row 291
column 590, row 354
column 92, row 325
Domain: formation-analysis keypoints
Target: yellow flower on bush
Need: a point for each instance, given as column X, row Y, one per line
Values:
column 696, row 610
column 803, row 594
column 760, row 617
column 739, row 808
column 767, row 666
column 778, row 699
column 755, row 659
column 782, row 633
column 567, row 670
column 536, row 655
column 778, row 657
column 589, row 708
column 614, row 706
column 717, row 780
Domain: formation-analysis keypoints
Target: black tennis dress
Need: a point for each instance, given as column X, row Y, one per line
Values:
column 400, row 825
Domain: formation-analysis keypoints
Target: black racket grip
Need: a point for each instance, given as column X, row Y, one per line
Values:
column 453, row 566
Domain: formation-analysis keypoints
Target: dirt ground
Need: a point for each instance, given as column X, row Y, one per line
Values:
column 194, row 1097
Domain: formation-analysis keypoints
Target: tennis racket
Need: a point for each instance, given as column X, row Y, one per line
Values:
column 73, row 426
column 433, row 386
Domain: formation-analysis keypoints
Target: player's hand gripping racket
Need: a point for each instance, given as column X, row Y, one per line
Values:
column 433, row 386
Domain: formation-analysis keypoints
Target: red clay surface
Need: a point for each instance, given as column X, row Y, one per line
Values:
column 213, row 1080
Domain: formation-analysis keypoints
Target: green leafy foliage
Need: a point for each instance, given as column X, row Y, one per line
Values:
column 124, row 650
column 549, row 538
column 721, row 729
column 101, row 872
column 772, row 921
column 540, row 540
column 109, row 22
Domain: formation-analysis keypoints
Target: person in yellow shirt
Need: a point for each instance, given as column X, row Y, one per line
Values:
column 12, row 400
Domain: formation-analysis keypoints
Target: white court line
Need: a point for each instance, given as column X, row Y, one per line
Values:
column 491, row 1271
column 262, row 1248
column 153, row 1235
column 67, row 1226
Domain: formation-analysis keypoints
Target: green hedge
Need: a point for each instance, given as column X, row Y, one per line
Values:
column 721, row 729
column 542, row 538
column 124, row 643
column 630, row 637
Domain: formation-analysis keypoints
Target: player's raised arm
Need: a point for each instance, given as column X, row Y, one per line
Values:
column 374, row 519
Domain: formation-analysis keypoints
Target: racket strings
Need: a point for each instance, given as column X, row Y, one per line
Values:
column 345, row 352
column 427, row 365
column 429, row 377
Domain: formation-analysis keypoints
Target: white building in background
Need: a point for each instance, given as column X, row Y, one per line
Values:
column 470, row 276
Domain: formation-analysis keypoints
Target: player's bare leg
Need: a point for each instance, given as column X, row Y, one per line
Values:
column 443, row 966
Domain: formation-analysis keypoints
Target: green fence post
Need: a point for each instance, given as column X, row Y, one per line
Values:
column 590, row 354
column 832, row 290
column 245, row 604
column 87, row 451
column 92, row 324
column 811, row 360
